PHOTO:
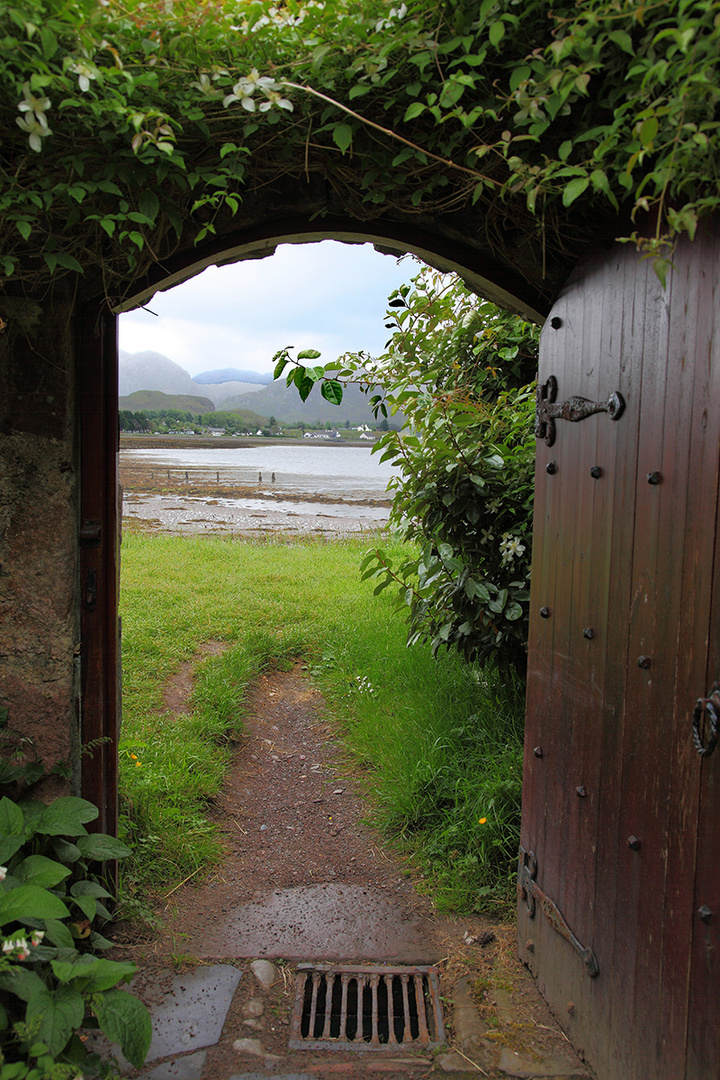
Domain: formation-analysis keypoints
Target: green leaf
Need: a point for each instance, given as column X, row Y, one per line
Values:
column 149, row 204
column 69, row 262
column 9, row 846
column 304, row 385
column 519, row 75
column 24, row 228
column 574, row 189
column 55, row 1015
column 125, row 1021
column 89, row 888
column 309, row 354
column 11, row 818
column 413, row 110
column 513, row 611
column 342, row 136
column 332, row 391
column 99, row 846
column 97, row 974
column 65, row 851
column 647, row 132
column 41, row 871
column 66, row 816
column 30, row 901
column 21, row 981
column 88, row 906
column 623, row 39
column 496, row 32
column 49, row 42
column 58, row 933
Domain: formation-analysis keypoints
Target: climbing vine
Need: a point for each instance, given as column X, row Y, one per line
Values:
column 131, row 128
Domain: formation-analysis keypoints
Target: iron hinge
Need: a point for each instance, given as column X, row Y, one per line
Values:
column 531, row 893
column 548, row 410
column 90, row 533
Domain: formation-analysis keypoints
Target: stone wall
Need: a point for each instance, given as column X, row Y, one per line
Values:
column 38, row 530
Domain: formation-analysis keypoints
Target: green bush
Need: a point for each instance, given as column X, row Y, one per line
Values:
column 54, row 979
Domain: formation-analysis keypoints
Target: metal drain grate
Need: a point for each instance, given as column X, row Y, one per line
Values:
column 366, row 1008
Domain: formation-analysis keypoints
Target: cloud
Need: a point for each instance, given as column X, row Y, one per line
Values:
column 326, row 296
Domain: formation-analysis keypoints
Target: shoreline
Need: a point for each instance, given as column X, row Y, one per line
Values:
column 191, row 503
column 226, row 442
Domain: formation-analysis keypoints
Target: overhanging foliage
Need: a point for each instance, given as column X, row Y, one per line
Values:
column 130, row 130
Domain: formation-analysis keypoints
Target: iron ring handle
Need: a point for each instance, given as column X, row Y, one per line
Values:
column 712, row 706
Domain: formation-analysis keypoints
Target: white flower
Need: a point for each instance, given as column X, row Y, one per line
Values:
column 494, row 506
column 37, row 129
column 37, row 936
column 36, row 105
column 8, row 946
column 205, row 86
column 510, row 546
column 245, row 88
column 85, row 71
column 275, row 99
column 486, row 536
column 249, row 82
column 3, row 873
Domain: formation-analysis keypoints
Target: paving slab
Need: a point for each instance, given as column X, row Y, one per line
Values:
column 188, row 1013
column 191, row 1012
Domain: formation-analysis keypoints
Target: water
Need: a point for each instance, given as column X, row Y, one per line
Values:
column 318, row 488
column 350, row 472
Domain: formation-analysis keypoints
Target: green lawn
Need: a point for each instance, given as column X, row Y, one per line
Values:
column 439, row 741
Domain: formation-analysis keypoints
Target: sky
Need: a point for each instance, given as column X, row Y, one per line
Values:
column 326, row 296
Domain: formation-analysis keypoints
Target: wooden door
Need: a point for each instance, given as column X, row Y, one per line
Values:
column 98, row 539
column 620, row 812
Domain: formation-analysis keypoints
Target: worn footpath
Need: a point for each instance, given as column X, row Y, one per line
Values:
column 306, row 881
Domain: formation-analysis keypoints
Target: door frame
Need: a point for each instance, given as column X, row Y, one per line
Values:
column 99, row 562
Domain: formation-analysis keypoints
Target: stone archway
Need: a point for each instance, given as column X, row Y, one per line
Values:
column 439, row 244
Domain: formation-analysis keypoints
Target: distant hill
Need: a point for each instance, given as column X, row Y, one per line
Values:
column 251, row 420
column 283, row 402
column 153, row 371
column 226, row 375
column 155, row 400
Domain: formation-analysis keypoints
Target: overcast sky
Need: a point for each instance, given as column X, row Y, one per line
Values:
column 326, row 296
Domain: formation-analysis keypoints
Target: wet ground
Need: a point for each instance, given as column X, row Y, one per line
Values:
column 305, row 878
column 196, row 500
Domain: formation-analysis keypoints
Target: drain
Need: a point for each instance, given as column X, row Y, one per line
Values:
column 366, row 1008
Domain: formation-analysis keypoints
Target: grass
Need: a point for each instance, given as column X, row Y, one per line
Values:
column 439, row 741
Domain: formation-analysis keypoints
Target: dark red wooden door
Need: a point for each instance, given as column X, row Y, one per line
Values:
column 620, row 812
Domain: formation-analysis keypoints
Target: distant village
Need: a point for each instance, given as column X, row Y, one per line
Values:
column 158, row 397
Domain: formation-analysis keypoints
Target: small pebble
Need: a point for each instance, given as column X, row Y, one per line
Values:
column 264, row 972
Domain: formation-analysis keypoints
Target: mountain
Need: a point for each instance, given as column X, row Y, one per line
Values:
column 226, row 375
column 153, row 371
column 283, row 402
column 155, row 400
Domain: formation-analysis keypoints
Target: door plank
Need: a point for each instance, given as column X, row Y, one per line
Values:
column 703, row 1044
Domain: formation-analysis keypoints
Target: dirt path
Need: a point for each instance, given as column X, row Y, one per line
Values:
column 305, row 879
